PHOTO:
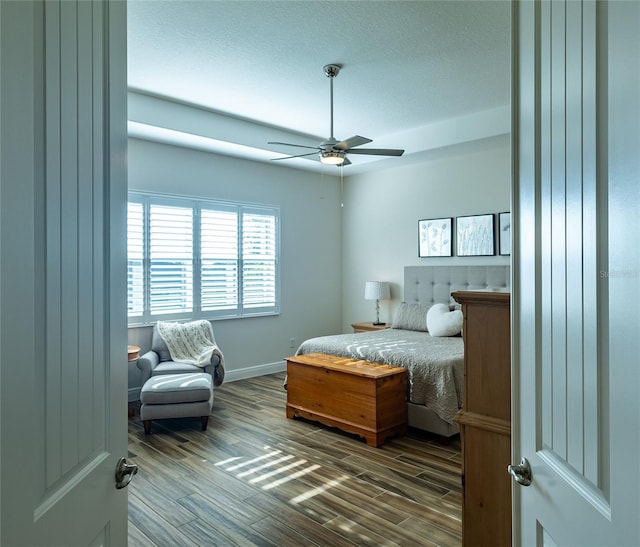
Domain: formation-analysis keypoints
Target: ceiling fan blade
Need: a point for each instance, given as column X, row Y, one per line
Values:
column 377, row 151
column 346, row 162
column 349, row 143
column 299, row 156
column 296, row 145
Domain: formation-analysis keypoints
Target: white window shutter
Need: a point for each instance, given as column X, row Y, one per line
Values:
column 171, row 259
column 258, row 260
column 135, row 259
column 219, row 283
column 192, row 259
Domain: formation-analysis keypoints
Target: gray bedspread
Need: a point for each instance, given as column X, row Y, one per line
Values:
column 435, row 365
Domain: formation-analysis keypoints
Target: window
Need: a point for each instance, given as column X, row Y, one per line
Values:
column 200, row 259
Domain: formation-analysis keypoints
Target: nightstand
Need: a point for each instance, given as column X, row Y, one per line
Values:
column 367, row 327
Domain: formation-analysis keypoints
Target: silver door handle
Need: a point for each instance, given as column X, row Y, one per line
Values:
column 124, row 473
column 521, row 473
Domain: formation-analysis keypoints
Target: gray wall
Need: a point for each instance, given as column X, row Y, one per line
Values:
column 311, row 245
column 382, row 209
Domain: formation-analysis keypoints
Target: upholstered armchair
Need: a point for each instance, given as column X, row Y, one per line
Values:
column 158, row 361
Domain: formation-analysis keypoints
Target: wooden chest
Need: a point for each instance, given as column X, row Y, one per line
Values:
column 368, row 399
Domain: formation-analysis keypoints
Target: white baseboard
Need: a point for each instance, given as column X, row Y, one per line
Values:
column 252, row 372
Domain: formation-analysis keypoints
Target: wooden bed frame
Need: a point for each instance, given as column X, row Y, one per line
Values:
column 434, row 284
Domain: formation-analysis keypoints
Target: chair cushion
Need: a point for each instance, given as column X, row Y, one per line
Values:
column 177, row 388
column 173, row 367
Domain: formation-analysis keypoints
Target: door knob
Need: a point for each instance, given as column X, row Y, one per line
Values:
column 124, row 472
column 521, row 473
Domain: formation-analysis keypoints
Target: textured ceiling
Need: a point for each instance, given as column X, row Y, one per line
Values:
column 405, row 64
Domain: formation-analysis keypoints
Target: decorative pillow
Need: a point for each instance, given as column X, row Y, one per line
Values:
column 442, row 322
column 411, row 316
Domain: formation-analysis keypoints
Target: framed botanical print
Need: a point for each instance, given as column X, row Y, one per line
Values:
column 504, row 233
column 474, row 235
column 434, row 237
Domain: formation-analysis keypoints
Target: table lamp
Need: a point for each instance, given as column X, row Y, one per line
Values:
column 377, row 290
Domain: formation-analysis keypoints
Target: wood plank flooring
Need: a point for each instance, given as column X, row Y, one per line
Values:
column 256, row 478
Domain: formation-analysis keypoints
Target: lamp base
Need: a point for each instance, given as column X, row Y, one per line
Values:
column 377, row 323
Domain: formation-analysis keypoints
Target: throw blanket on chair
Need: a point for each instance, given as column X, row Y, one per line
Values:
column 192, row 343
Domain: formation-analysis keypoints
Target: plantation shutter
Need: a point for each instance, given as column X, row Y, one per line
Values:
column 171, row 259
column 259, row 250
column 219, row 284
column 135, row 259
column 200, row 259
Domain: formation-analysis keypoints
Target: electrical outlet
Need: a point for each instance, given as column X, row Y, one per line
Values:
column 292, row 342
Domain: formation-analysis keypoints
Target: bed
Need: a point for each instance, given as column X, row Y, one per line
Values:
column 435, row 364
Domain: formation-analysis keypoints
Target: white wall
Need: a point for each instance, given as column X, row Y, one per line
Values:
column 382, row 209
column 311, row 245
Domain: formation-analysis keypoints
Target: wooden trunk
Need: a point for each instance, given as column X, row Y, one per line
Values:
column 368, row 399
column 485, row 418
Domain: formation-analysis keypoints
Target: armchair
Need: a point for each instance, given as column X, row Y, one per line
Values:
column 172, row 389
column 157, row 361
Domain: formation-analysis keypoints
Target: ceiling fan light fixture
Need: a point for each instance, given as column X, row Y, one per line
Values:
column 332, row 151
column 332, row 158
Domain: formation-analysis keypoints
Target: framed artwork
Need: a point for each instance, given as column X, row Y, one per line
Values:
column 474, row 235
column 434, row 237
column 504, row 232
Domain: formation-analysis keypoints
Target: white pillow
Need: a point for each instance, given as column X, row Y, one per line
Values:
column 442, row 322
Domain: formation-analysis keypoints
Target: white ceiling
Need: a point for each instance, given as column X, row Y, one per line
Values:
column 406, row 65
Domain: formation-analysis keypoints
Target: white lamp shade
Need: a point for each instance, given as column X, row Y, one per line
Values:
column 377, row 290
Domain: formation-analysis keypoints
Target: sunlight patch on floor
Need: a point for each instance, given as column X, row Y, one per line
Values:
column 283, row 465
column 288, row 478
column 255, row 460
column 263, row 466
column 228, row 460
column 278, row 471
column 318, row 490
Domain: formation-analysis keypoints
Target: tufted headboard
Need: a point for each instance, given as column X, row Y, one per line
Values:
column 431, row 284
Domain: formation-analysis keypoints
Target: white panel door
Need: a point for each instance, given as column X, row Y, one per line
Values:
column 576, row 318
column 62, row 272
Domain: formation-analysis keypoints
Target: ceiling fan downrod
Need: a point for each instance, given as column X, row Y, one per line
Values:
column 331, row 71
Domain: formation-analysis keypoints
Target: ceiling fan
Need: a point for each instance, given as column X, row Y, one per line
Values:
column 334, row 152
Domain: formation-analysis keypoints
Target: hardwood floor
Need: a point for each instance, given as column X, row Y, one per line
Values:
column 256, row 478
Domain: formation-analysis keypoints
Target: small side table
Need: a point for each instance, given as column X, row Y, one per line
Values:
column 133, row 353
column 368, row 327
